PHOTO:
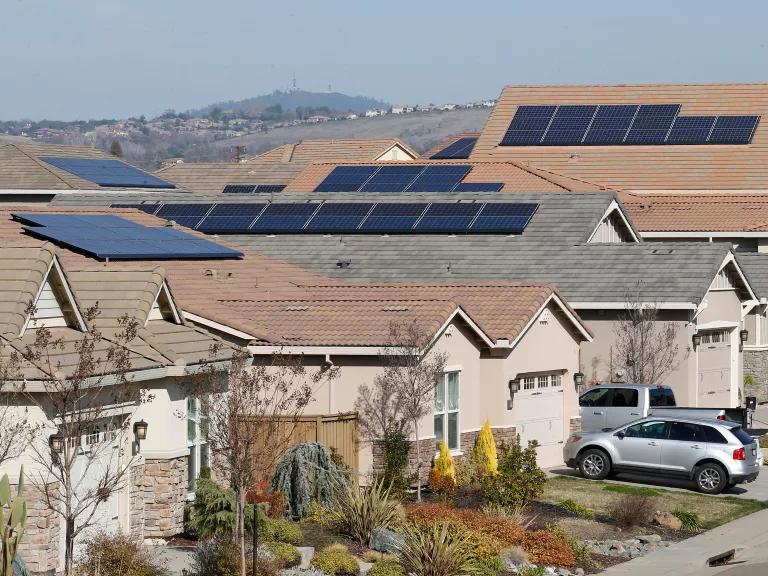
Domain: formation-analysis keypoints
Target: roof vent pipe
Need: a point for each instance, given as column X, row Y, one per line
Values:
column 210, row 273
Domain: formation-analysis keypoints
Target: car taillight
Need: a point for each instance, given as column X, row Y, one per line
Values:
column 739, row 454
column 721, row 417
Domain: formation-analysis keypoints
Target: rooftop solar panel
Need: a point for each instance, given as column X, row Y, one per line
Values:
column 448, row 218
column 239, row 189
column 610, row 124
column 479, row 187
column 393, row 217
column 652, row 123
column 148, row 208
column 569, row 125
column 107, row 172
column 528, row 125
column 346, row 178
column 691, row 130
column 284, row 218
column 500, row 218
column 341, row 217
column 392, row 179
column 460, row 149
column 110, row 237
column 230, row 218
column 439, row 178
column 176, row 211
column 269, row 188
column 733, row 129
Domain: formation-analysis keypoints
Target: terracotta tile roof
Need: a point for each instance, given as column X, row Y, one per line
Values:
column 444, row 143
column 345, row 150
column 212, row 177
column 514, row 176
column 675, row 213
column 667, row 167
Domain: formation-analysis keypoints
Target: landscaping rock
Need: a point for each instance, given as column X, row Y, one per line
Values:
column 667, row 520
column 645, row 539
column 265, row 554
column 365, row 567
column 307, row 552
column 579, row 572
column 383, row 540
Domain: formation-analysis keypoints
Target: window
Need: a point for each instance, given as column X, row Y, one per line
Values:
column 447, row 410
column 557, row 380
column 653, row 430
column 662, row 397
column 529, row 383
column 197, row 440
column 742, row 436
column 686, row 432
column 543, row 381
column 713, row 436
column 596, row 397
column 624, row 398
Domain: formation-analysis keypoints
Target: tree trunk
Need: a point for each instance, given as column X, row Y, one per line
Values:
column 69, row 542
column 418, row 460
column 240, row 526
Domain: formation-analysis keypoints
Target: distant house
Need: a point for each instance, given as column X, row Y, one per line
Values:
column 318, row 118
column 371, row 113
column 397, row 110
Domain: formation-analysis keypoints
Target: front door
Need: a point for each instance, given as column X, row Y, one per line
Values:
column 641, row 445
column 715, row 368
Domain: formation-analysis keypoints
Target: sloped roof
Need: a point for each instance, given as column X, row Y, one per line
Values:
column 212, row 177
column 445, row 142
column 642, row 168
column 344, row 150
column 24, row 269
column 514, row 176
column 755, row 267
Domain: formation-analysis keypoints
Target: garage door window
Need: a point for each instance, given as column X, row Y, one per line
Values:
column 447, row 410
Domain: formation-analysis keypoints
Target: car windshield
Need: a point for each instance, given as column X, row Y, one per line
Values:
column 662, row 397
column 742, row 436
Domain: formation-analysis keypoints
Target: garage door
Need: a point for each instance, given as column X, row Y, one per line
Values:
column 714, row 368
column 539, row 406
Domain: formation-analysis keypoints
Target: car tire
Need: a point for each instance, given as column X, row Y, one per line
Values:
column 710, row 478
column 594, row 464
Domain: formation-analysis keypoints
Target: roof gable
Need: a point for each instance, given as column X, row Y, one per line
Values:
column 54, row 305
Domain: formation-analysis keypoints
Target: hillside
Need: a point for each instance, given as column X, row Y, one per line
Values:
column 293, row 99
column 421, row 130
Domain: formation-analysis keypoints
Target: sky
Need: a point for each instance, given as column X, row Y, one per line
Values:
column 81, row 59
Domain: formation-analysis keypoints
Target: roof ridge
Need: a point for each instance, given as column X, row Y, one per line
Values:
column 44, row 165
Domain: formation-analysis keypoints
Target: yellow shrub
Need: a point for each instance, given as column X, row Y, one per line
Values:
column 444, row 463
column 484, row 451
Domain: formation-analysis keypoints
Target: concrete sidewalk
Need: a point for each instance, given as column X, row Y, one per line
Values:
column 747, row 536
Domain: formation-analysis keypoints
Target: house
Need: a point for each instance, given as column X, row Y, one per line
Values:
column 160, row 470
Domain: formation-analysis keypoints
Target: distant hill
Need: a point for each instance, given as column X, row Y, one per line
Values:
column 291, row 100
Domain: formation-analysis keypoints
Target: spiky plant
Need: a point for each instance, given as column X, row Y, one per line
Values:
column 361, row 510
column 484, row 452
column 435, row 551
column 12, row 526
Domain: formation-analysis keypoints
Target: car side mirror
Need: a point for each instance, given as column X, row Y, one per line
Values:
column 620, row 435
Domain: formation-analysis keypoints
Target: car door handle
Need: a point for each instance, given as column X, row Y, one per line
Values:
column 696, row 447
column 651, row 443
column 597, row 413
column 634, row 413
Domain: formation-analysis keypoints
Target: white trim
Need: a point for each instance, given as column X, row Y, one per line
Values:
column 460, row 312
column 704, row 234
column 623, row 305
column 67, row 293
column 174, row 309
column 453, row 368
column 164, row 454
column 731, row 259
column 614, row 207
column 217, row 326
column 755, row 347
column 717, row 325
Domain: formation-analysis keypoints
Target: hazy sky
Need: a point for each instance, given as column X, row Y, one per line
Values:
column 67, row 59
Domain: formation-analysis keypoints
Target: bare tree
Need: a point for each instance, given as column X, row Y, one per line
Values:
column 252, row 413
column 402, row 394
column 89, row 407
column 15, row 429
column 646, row 347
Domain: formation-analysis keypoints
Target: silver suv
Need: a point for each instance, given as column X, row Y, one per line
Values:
column 715, row 454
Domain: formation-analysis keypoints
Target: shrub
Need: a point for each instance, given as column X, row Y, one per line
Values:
column 216, row 557
column 639, row 490
column 519, row 480
column 435, row 551
column 530, row 570
column 484, row 451
column 371, row 556
column 117, row 555
column 396, row 449
column 360, row 510
column 286, row 555
column 515, row 514
column 442, row 477
column 544, row 547
column 336, row 561
column 633, row 510
column 487, row 565
column 213, row 509
column 749, row 380
column 282, row 531
column 260, row 493
column 580, row 550
column 387, row 568
column 689, row 518
column 307, row 473
column 576, row 508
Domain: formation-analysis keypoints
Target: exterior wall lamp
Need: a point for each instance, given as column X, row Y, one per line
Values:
column 140, row 430
column 696, row 340
column 514, row 388
column 578, row 380
column 56, row 442
column 743, row 337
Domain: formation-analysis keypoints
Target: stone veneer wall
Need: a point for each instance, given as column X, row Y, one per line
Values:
column 158, row 495
column 575, row 424
column 40, row 544
column 756, row 365
column 466, row 443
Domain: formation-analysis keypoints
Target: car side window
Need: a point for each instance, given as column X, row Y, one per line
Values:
column 661, row 397
column 624, row 398
column 596, row 397
column 654, row 430
column 713, row 435
column 686, row 432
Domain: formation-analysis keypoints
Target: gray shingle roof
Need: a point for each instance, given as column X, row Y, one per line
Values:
column 755, row 268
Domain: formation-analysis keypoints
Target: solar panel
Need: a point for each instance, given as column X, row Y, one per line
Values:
column 528, row 125
column 460, row 149
column 148, row 208
column 110, row 237
column 239, row 189
column 479, row 187
column 610, row 124
column 337, row 218
column 569, row 125
column 734, row 129
column 173, row 211
column 284, row 218
column 230, row 218
column 652, row 123
column 346, row 178
column 449, row 218
column 392, row 179
column 107, row 172
column 497, row 218
column 393, row 217
column 269, row 188
column 439, row 178
column 691, row 130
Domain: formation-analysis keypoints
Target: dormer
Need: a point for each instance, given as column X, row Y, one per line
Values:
column 164, row 308
column 54, row 305
column 614, row 227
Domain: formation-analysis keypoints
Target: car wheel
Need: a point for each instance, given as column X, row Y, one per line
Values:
column 711, row 478
column 594, row 464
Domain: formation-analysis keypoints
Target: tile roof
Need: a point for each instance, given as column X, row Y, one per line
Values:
column 755, row 267
column 445, row 142
column 514, row 176
column 330, row 150
column 212, row 177
column 644, row 168
column 716, row 213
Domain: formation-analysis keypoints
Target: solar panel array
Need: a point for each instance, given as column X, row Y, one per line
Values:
column 401, row 178
column 107, row 172
column 349, row 217
column 109, row 237
column 253, row 188
column 639, row 124
column 458, row 150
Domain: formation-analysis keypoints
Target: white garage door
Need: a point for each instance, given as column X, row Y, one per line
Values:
column 715, row 368
column 539, row 406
